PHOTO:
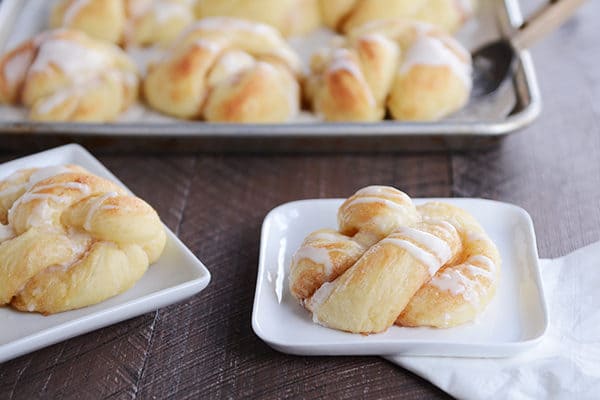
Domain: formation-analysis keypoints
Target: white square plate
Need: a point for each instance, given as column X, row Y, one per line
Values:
column 178, row 274
column 515, row 320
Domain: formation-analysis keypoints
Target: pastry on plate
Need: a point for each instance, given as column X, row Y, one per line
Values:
column 290, row 17
column 448, row 15
column 70, row 239
column 128, row 22
column 410, row 70
column 64, row 75
column 391, row 262
column 226, row 70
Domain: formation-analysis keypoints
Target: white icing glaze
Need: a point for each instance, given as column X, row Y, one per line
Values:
column 429, row 50
column 230, row 64
column 75, row 60
column 95, row 207
column 318, row 298
column 342, row 61
column 6, row 233
column 455, row 282
column 318, row 255
column 51, row 102
column 42, row 212
column 476, row 236
column 225, row 24
column 481, row 259
column 445, row 225
column 385, row 192
column 438, row 247
column 16, row 68
column 380, row 200
column 429, row 260
column 73, row 10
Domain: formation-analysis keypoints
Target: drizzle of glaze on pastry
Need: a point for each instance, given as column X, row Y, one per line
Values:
column 95, row 207
column 438, row 247
column 426, row 258
column 429, row 50
column 317, row 255
column 319, row 298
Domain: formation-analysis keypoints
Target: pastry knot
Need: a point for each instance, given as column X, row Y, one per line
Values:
column 410, row 70
column 70, row 239
column 65, row 75
column 229, row 70
column 427, row 265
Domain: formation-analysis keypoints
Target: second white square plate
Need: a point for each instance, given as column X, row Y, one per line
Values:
column 515, row 320
column 176, row 275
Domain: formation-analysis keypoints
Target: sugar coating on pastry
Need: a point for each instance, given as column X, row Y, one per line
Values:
column 70, row 239
column 64, row 75
column 227, row 70
column 290, row 17
column 448, row 15
column 411, row 70
column 128, row 22
column 391, row 262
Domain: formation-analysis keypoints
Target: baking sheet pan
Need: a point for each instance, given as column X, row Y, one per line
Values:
column 479, row 126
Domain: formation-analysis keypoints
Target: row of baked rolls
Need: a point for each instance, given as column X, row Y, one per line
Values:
column 345, row 15
column 64, row 75
column 126, row 22
column 148, row 22
column 411, row 70
column 69, row 239
column 392, row 262
column 226, row 69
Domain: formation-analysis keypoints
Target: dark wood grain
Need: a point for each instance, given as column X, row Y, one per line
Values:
column 205, row 347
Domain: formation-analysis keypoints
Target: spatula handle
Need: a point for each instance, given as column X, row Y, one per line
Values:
column 544, row 21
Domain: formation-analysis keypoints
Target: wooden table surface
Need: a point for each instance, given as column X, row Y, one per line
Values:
column 205, row 347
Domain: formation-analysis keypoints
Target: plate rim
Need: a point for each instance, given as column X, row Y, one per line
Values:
column 308, row 348
column 118, row 312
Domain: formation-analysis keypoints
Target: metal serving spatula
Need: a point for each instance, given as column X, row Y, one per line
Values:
column 493, row 62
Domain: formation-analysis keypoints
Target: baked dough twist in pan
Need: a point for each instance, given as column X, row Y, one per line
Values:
column 69, row 239
column 391, row 262
column 64, row 75
column 290, row 17
column 127, row 22
column 411, row 70
column 448, row 15
column 227, row 70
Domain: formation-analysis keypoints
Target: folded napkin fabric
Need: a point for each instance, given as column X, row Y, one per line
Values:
column 565, row 365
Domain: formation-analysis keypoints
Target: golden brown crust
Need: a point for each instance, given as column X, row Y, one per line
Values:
column 227, row 70
column 74, row 239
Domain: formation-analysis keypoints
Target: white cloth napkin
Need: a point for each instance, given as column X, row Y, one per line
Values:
column 565, row 365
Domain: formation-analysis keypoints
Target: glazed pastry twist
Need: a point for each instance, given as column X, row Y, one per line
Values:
column 65, row 75
column 345, row 15
column 227, row 70
column 290, row 17
column 432, row 265
column 412, row 70
column 128, row 22
column 69, row 239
